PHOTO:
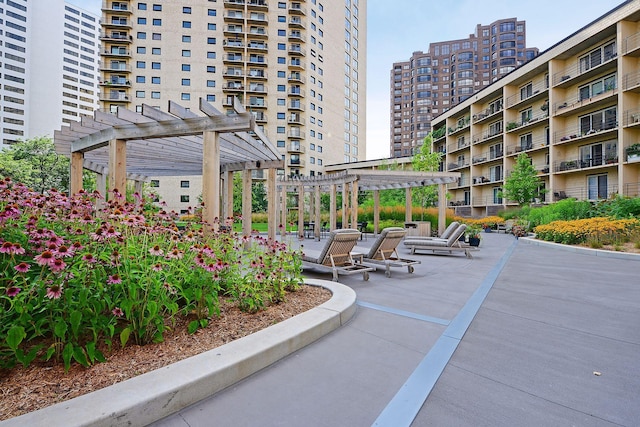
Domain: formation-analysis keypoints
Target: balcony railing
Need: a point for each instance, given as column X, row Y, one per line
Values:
column 512, row 126
column 576, row 133
column 116, row 37
column 572, row 164
column 296, row 148
column 114, row 97
column 524, row 95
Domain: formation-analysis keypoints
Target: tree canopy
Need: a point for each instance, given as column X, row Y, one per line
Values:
column 523, row 185
column 426, row 160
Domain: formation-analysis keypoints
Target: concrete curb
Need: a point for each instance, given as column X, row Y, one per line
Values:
column 152, row 396
column 581, row 250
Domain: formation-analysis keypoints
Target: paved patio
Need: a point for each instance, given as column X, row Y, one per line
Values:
column 519, row 335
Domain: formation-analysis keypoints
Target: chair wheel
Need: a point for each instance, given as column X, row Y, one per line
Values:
column 411, row 269
column 365, row 276
column 387, row 273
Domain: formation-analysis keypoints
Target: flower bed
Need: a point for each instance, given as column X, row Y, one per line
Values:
column 74, row 280
column 599, row 229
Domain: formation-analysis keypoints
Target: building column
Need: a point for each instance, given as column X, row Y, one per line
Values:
column 77, row 160
column 211, row 180
column 118, row 166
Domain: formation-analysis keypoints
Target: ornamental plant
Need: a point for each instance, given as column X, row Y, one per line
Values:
column 583, row 230
column 74, row 280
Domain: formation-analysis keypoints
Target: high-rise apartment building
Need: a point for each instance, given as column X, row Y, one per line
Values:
column 298, row 66
column 574, row 110
column 49, row 56
column 429, row 84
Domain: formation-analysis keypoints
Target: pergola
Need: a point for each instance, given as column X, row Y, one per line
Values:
column 128, row 145
column 352, row 179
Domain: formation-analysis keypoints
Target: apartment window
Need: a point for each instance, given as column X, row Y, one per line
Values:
column 526, row 91
column 184, row 198
column 526, row 115
column 186, row 67
column 141, row 50
column 139, row 94
column 184, row 184
column 156, row 36
column 141, row 64
column 282, row 5
column 599, row 120
column 282, row 33
column 185, row 96
column 140, row 79
column 526, row 142
column 281, row 88
column 211, row 12
column 280, row 129
column 211, row 40
column 141, row 35
column 211, row 69
column 211, row 26
column 282, row 60
column 282, row 46
column 155, row 51
column 157, row 22
column 597, row 87
column 211, row 98
column 597, row 187
column 155, row 65
column 280, row 143
column 211, row 55
column 154, row 183
column 157, row 7
column 186, row 24
column 186, row 53
column 186, row 82
column 186, row 39
column 155, row 80
column 142, row 6
column 186, row 10
column 597, row 56
column 142, row 21
column 211, row 83
column 155, row 95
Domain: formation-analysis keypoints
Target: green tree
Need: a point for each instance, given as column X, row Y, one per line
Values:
column 523, row 185
column 35, row 163
column 426, row 160
column 258, row 195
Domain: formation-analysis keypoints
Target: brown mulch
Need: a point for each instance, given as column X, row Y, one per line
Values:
column 628, row 247
column 43, row 384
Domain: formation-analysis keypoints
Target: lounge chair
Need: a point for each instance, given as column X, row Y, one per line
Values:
column 384, row 251
column 445, row 234
column 336, row 256
column 450, row 245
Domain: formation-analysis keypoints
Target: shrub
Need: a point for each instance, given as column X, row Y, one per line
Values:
column 581, row 230
column 72, row 280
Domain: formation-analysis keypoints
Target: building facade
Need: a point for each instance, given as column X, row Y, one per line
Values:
column 431, row 83
column 298, row 66
column 574, row 110
column 49, row 67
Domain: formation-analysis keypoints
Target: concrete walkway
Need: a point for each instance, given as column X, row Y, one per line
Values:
column 521, row 334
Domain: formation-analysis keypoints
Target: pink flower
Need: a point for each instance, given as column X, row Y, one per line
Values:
column 89, row 258
column 23, row 267
column 117, row 312
column 54, row 292
column 157, row 267
column 57, row 265
column 13, row 291
column 45, row 258
column 114, row 279
column 156, row 250
column 175, row 254
column 64, row 251
column 6, row 248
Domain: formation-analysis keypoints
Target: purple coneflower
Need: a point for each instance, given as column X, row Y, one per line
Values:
column 157, row 267
column 23, row 267
column 13, row 291
column 6, row 248
column 44, row 258
column 114, row 279
column 175, row 254
column 54, row 291
column 117, row 312
column 64, row 251
column 57, row 265
column 156, row 250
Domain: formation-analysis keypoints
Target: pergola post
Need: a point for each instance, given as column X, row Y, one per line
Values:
column 407, row 206
column 345, row 204
column 442, row 208
column 301, row 211
column 211, row 179
column 333, row 216
column 272, row 204
column 137, row 186
column 77, row 159
column 376, row 211
column 318, row 224
column 228, row 201
column 283, row 209
column 354, row 204
column 118, row 165
column 246, row 202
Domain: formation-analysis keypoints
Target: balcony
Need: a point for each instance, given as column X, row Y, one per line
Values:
column 295, row 162
column 296, row 49
column 523, row 124
column 233, row 87
column 235, row 4
column 296, row 91
column 114, row 96
column 487, row 135
column 608, row 129
column 296, row 63
column 460, row 145
column 295, row 133
column 461, row 163
column 121, row 67
column 525, row 146
column 631, row 45
column 257, row 60
column 116, row 37
column 260, row 116
column 295, row 119
column 116, row 22
column 116, row 83
column 576, row 104
column 295, row 78
column 462, row 124
column 233, row 44
column 296, row 22
column 257, row 88
column 232, row 59
column 233, row 29
column 296, row 35
column 297, row 9
column 257, row 104
column 295, row 148
column 257, row 46
column 233, row 16
column 257, row 4
column 257, row 73
column 487, row 114
column 116, row 7
column 574, row 73
column 487, row 156
column 481, row 179
column 258, row 32
column 233, row 72
column 576, row 164
column 118, row 53
column 296, row 105
column 529, row 95
column 631, row 82
column 257, row 18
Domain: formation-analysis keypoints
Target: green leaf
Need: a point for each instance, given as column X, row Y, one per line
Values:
column 193, row 326
column 50, row 351
column 91, row 351
column 67, row 353
column 15, row 336
column 79, row 356
column 75, row 318
column 152, row 308
column 60, row 329
column 124, row 336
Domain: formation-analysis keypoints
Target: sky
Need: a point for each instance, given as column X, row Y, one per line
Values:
column 397, row 28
